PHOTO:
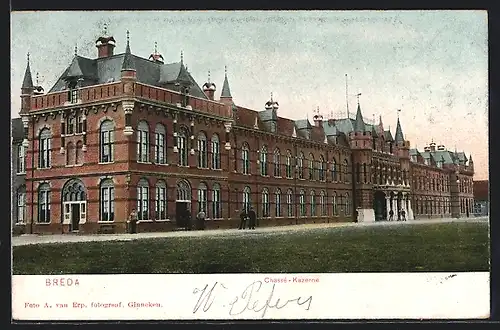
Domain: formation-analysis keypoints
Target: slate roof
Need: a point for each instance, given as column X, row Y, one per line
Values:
column 108, row 69
column 17, row 129
column 27, row 81
column 388, row 135
column 359, row 124
column 226, row 91
column 399, row 133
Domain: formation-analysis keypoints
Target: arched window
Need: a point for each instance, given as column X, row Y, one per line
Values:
column 322, row 168
column 263, row 161
column 44, row 147
column 347, row 172
column 106, row 142
column 79, row 153
column 300, row 165
column 215, row 152
column 277, row 203
column 21, row 204
column 202, row 198
column 265, row 203
column 161, row 200
column 182, row 146
column 313, row 203
column 160, row 145
column 107, row 200
column 302, row 203
column 288, row 164
column 245, row 157
column 334, row 170
column 322, row 203
column 277, row 163
column 216, row 202
column 311, row 167
column 289, row 203
column 143, row 200
column 142, row 142
column 334, row 204
column 183, row 191
column 347, row 204
column 44, row 203
column 70, row 153
column 247, row 198
column 202, row 150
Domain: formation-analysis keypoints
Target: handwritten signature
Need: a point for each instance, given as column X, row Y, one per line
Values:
column 249, row 300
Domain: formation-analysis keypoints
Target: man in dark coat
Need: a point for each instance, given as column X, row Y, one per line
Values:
column 243, row 219
column 200, row 220
column 252, row 217
column 187, row 219
column 391, row 215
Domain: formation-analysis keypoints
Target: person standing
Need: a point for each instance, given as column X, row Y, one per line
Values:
column 391, row 215
column 243, row 219
column 200, row 219
column 132, row 222
column 403, row 215
column 188, row 220
column 252, row 218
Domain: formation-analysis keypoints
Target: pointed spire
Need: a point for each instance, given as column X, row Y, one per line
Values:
column 128, row 61
column 399, row 138
column 27, row 81
column 226, row 91
column 359, row 125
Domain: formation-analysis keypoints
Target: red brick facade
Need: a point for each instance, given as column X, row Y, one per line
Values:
column 360, row 170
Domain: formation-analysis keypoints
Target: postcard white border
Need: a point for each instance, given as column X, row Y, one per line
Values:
column 252, row 296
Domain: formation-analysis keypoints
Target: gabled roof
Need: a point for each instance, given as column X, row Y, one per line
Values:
column 388, row 136
column 108, row 69
column 303, row 124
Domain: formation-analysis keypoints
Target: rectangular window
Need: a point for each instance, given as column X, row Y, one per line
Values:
column 215, row 155
column 246, row 161
column 278, row 205
column 216, row 206
column 159, row 148
column 202, row 153
column 143, row 146
column 142, row 203
column 44, row 207
column 202, row 200
column 79, row 124
column 288, row 167
column 289, row 205
column 302, row 202
column 106, row 147
column 44, row 153
column 21, row 159
column 160, row 205
column 21, row 207
column 182, row 149
column 73, row 96
column 70, row 125
column 107, row 204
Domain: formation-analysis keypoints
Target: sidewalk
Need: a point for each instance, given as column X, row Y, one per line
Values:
column 67, row 238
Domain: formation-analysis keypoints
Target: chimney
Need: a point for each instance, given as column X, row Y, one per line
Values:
column 209, row 88
column 441, row 147
column 432, row 146
column 427, row 149
column 105, row 44
column 318, row 119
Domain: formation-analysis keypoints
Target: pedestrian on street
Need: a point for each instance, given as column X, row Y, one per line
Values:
column 200, row 219
column 252, row 218
column 132, row 222
column 243, row 219
column 187, row 219
column 391, row 215
column 403, row 215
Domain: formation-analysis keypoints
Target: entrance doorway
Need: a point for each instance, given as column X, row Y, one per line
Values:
column 181, row 208
column 74, row 204
column 379, row 205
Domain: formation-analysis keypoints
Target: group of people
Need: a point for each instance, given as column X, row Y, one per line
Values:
column 185, row 221
column 401, row 215
column 247, row 216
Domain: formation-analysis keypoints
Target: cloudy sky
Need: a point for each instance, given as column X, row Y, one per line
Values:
column 432, row 65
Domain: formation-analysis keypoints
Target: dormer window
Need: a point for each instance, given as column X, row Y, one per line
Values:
column 73, row 92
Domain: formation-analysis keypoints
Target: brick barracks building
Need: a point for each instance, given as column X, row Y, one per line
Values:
column 122, row 132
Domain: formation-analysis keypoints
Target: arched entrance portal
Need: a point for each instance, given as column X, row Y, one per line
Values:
column 379, row 205
column 183, row 203
column 74, row 199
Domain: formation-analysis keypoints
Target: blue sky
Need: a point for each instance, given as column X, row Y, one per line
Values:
column 431, row 64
